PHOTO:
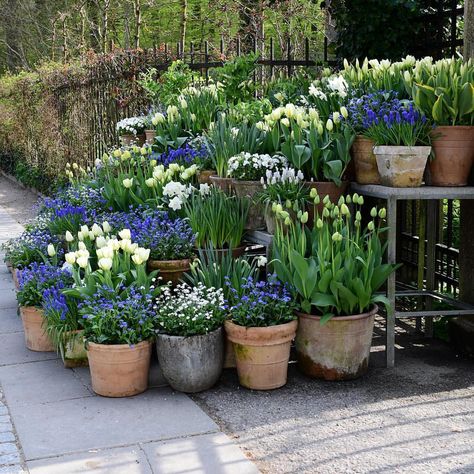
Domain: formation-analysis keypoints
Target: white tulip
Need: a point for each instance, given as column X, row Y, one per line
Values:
column 125, row 234
column 105, row 264
column 106, row 227
column 82, row 246
column 70, row 258
column 96, row 230
column 127, row 183
column 51, row 250
column 69, row 237
column 84, row 229
column 100, row 242
column 83, row 261
column 143, row 253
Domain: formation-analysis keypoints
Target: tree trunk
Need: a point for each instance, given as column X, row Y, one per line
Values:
column 138, row 22
column 105, row 24
column 184, row 20
column 468, row 29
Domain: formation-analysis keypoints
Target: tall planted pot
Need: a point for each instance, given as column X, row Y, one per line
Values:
column 365, row 163
column 401, row 166
column 337, row 350
column 34, row 325
column 225, row 184
column 453, row 149
column 191, row 364
column 170, row 270
column 119, row 370
column 219, row 254
column 262, row 353
column 256, row 217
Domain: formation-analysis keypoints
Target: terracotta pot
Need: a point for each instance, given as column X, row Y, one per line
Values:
column 191, row 364
column 73, row 351
column 204, row 176
column 255, row 218
column 15, row 275
column 129, row 140
column 324, row 188
column 401, row 166
column 337, row 350
column 223, row 183
column 170, row 270
column 453, row 155
column 119, row 370
column 262, row 353
column 366, row 171
column 219, row 253
column 34, row 325
column 150, row 137
column 229, row 354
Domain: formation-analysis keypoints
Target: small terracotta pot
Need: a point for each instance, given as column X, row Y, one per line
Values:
column 255, row 218
column 337, row 350
column 402, row 166
column 365, row 163
column 150, row 137
column 15, row 275
column 453, row 155
column 204, row 176
column 170, row 270
column 324, row 188
column 262, row 353
column 119, row 370
column 34, row 325
column 222, row 183
column 73, row 350
column 236, row 252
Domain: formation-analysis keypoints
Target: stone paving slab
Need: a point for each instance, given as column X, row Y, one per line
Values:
column 14, row 351
column 10, row 321
column 8, row 298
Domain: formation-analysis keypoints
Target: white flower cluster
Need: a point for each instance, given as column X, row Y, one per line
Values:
column 178, row 192
column 253, row 166
column 301, row 115
column 286, row 175
column 131, row 126
column 210, row 89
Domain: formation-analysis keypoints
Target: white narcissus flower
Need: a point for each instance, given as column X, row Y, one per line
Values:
column 175, row 203
column 70, row 258
column 51, row 250
column 105, row 264
column 69, row 237
column 127, row 183
column 125, row 234
column 204, row 189
column 261, row 261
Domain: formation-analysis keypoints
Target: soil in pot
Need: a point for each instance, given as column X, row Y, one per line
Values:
column 222, row 183
column 191, row 364
column 256, row 217
column 365, row 163
column 401, row 166
column 119, row 370
column 453, row 149
column 34, row 325
column 262, row 353
column 337, row 350
column 204, row 176
column 170, row 270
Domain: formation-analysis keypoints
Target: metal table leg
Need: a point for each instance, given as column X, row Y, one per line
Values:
column 431, row 237
column 392, row 258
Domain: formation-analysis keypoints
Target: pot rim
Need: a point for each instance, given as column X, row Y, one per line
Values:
column 344, row 183
column 175, row 338
column 180, row 260
column 229, row 323
column 385, row 148
column 116, row 347
column 351, row 317
column 246, row 181
column 450, row 127
column 32, row 308
column 216, row 177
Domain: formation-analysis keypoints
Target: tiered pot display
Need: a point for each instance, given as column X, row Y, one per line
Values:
column 36, row 337
column 262, row 353
column 256, row 218
column 401, row 166
column 336, row 350
column 191, row 364
column 170, row 270
column 365, row 163
column 453, row 149
column 119, row 370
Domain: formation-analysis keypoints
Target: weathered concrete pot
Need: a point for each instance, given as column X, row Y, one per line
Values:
column 222, row 183
column 337, row 350
column 401, row 166
column 119, row 370
column 150, row 137
column 255, row 218
column 170, row 270
column 324, row 188
column 365, row 163
column 204, row 176
column 73, row 351
column 453, row 155
column 191, row 364
column 262, row 353
column 34, row 325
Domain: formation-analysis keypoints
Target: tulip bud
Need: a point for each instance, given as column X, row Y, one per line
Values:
column 371, row 226
column 287, row 221
column 344, row 112
column 105, row 264
column 317, row 200
column 348, row 199
column 106, row 227
column 358, row 216
column 313, row 193
column 345, row 210
column 288, row 204
column 383, row 213
column 360, row 201
column 340, row 202
column 329, row 125
column 304, row 217
column 373, row 212
column 69, row 237
column 325, row 212
column 319, row 223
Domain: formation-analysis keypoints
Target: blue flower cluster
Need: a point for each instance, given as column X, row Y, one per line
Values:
column 55, row 302
column 263, row 303
column 185, row 155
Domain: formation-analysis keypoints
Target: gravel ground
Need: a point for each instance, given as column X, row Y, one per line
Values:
column 17, row 201
column 416, row 418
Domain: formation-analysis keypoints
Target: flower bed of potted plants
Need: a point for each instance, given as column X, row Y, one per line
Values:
column 190, row 338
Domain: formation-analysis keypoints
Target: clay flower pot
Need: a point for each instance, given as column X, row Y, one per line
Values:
column 15, row 275
column 129, row 140
column 191, row 364
column 402, row 166
column 337, row 350
column 150, row 137
column 222, row 183
column 119, row 370
column 34, row 325
column 170, row 270
column 204, row 176
column 324, row 188
column 365, row 163
column 256, row 218
column 262, row 353
column 73, row 350
column 453, row 155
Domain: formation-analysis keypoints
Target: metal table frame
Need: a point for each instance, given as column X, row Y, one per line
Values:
column 432, row 195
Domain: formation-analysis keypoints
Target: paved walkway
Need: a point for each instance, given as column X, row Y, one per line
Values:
column 51, row 422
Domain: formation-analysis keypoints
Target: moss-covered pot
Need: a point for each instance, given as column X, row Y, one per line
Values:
column 225, row 184
column 256, row 217
column 73, row 351
column 170, row 270
column 336, row 350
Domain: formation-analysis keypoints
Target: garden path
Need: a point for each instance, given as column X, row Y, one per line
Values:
column 51, row 422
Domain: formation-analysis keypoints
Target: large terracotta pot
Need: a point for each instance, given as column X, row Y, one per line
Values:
column 34, row 325
column 256, row 217
column 262, row 353
column 453, row 155
column 204, row 176
column 191, row 364
column 170, row 270
column 150, row 137
column 222, row 183
column 324, row 188
column 119, row 370
column 73, row 350
column 337, row 350
column 366, row 171
column 402, row 166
